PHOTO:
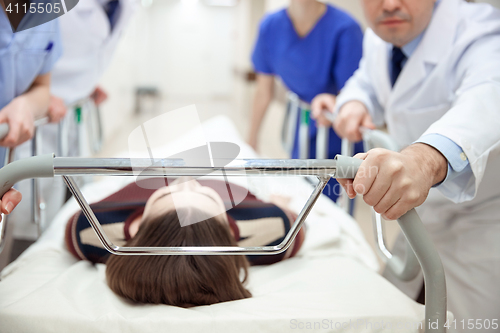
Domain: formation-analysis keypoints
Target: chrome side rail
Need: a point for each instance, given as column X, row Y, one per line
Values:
column 290, row 122
column 64, row 166
column 408, row 268
column 345, row 202
column 37, row 200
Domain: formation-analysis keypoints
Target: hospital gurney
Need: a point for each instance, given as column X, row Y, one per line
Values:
column 341, row 167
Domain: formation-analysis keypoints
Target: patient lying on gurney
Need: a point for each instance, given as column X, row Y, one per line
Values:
column 140, row 217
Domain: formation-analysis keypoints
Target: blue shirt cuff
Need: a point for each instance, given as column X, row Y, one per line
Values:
column 458, row 164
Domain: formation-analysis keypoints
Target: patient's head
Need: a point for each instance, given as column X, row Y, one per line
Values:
column 192, row 201
column 180, row 280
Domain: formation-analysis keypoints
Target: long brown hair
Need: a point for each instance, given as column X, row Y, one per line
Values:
column 179, row 280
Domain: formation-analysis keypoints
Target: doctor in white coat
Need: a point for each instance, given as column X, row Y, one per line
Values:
column 90, row 35
column 431, row 72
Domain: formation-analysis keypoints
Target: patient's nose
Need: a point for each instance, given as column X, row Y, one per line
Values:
column 187, row 184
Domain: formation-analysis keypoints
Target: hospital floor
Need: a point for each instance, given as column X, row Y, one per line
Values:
column 270, row 147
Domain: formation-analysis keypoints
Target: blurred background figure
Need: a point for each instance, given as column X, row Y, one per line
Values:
column 90, row 34
column 26, row 60
column 313, row 48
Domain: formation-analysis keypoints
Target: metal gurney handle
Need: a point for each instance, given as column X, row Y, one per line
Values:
column 36, row 197
column 341, row 167
column 408, row 269
column 405, row 270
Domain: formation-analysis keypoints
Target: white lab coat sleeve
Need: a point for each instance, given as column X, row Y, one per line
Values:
column 360, row 86
column 473, row 122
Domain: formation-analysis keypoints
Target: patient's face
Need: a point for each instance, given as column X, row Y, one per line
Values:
column 185, row 192
column 398, row 21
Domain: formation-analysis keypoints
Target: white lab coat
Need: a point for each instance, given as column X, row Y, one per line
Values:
column 88, row 48
column 89, row 45
column 450, row 86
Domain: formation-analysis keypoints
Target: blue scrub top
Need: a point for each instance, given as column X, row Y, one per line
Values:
column 25, row 55
column 320, row 62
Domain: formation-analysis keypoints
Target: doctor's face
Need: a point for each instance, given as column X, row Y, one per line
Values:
column 398, row 21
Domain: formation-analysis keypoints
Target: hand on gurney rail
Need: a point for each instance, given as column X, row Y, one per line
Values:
column 57, row 109
column 348, row 123
column 20, row 120
column 392, row 182
column 99, row 96
column 322, row 109
column 351, row 120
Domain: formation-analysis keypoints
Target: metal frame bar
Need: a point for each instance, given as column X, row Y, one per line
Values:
column 66, row 167
column 341, row 167
column 290, row 122
column 37, row 200
column 95, row 133
column 345, row 202
column 408, row 268
column 95, row 136
column 294, row 106
column 196, row 250
column 9, row 158
column 93, row 124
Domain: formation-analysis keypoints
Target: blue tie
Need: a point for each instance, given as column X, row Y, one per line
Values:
column 111, row 10
column 398, row 57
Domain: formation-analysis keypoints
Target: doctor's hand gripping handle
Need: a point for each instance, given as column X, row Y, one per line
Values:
column 422, row 245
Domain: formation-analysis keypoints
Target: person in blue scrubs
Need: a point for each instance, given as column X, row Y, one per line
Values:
column 314, row 48
column 26, row 58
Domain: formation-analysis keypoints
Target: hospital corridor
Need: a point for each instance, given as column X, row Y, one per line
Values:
column 249, row 166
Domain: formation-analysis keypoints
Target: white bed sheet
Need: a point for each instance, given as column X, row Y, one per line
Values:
column 332, row 282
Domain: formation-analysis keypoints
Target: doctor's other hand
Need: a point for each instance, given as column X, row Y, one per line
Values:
column 10, row 200
column 320, row 105
column 351, row 118
column 21, row 121
column 57, row 109
column 99, row 96
column 393, row 183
